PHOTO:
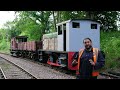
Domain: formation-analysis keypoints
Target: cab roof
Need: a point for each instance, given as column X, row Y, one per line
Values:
column 78, row 20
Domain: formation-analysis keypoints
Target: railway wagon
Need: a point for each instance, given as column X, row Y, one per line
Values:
column 15, row 44
column 58, row 48
column 20, row 47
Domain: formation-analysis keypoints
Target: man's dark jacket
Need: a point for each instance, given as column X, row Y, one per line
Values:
column 85, row 67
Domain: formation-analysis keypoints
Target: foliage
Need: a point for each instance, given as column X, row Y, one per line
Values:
column 110, row 44
column 40, row 19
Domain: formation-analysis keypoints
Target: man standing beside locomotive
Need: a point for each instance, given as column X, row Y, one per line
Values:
column 88, row 61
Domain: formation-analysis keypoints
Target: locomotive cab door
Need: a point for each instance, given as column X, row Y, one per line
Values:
column 64, row 37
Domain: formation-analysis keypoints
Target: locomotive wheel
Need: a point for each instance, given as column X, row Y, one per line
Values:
column 17, row 54
column 23, row 55
column 11, row 53
column 32, row 56
column 29, row 55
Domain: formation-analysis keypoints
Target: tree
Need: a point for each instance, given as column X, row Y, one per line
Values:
column 54, row 20
column 41, row 18
column 106, row 18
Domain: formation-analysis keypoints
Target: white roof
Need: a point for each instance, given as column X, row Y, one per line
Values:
column 77, row 20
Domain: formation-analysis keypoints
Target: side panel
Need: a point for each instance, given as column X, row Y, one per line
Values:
column 19, row 46
column 60, row 42
column 50, row 44
column 33, row 45
column 13, row 44
column 56, row 43
column 50, row 41
column 39, row 45
column 67, row 36
column 45, row 44
column 23, row 43
column 76, row 36
column 25, row 46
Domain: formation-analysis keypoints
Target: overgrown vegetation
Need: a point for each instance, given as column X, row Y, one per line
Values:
column 110, row 44
column 4, row 47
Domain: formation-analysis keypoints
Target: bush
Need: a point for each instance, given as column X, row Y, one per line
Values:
column 4, row 46
column 110, row 44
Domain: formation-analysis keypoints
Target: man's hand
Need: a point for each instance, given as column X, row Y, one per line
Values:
column 92, row 63
column 74, row 63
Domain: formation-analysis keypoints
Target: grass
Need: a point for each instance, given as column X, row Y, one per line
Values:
column 4, row 46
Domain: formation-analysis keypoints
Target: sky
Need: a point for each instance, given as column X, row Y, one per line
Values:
column 6, row 16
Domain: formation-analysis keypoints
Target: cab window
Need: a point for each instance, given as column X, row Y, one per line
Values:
column 75, row 25
column 93, row 26
column 60, row 30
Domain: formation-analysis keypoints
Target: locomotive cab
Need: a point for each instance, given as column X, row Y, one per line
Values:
column 71, row 34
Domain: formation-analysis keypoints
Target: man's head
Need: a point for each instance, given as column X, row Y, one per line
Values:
column 87, row 43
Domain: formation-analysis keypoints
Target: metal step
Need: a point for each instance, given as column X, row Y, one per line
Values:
column 63, row 58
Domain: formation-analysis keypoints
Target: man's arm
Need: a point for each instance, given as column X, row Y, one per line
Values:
column 100, row 62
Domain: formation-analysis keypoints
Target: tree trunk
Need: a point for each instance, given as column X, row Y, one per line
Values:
column 58, row 16
column 54, row 22
column 89, row 15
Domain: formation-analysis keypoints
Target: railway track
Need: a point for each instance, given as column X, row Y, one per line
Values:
column 2, row 75
column 63, row 70
column 59, row 69
column 13, row 71
column 39, row 70
column 110, row 75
